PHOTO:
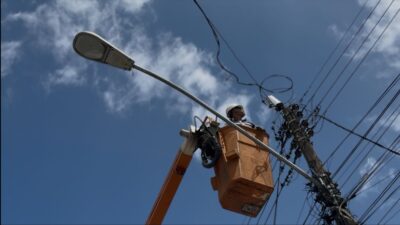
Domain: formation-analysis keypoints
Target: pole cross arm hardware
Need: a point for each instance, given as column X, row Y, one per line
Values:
column 327, row 192
column 100, row 50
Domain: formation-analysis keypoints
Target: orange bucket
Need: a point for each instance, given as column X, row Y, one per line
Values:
column 243, row 176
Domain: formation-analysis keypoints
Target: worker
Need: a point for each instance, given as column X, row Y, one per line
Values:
column 236, row 113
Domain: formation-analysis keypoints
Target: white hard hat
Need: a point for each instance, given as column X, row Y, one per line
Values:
column 229, row 108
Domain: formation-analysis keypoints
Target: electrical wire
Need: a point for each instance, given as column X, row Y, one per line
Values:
column 343, row 52
column 388, row 211
column 302, row 208
column 366, row 134
column 374, row 169
column 387, row 125
column 217, row 35
column 333, row 51
column 278, row 193
column 359, row 135
column 382, row 203
column 356, row 53
column 361, row 61
column 390, row 218
column 366, row 155
column 367, row 213
column 380, row 98
column 374, row 184
column 309, row 213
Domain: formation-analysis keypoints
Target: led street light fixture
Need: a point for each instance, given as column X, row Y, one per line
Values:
column 91, row 46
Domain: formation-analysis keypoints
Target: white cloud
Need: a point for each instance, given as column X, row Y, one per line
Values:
column 68, row 75
column 396, row 125
column 393, row 121
column 133, row 6
column 336, row 31
column 388, row 47
column 9, row 54
column 263, row 114
column 368, row 166
column 54, row 26
column 375, row 183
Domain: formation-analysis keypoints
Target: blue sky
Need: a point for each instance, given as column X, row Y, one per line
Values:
column 85, row 143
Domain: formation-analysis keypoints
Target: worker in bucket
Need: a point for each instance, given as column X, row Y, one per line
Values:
column 236, row 113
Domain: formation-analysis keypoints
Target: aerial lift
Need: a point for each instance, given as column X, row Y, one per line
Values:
column 243, row 176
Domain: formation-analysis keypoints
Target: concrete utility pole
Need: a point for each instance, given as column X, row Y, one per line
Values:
column 327, row 193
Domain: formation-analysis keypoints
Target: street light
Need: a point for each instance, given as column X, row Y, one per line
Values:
column 93, row 47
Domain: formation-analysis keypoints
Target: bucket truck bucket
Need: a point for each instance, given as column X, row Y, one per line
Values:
column 243, row 175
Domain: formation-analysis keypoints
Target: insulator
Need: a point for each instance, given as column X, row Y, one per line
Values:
column 310, row 132
column 299, row 114
column 294, row 107
column 304, row 123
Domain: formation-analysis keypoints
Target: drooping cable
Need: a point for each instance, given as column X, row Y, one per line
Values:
column 217, row 35
column 359, row 135
column 380, row 98
column 366, row 134
column 388, row 125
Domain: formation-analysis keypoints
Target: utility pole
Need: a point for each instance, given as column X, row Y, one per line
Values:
column 327, row 193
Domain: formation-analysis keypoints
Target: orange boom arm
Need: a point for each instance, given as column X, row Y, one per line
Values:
column 173, row 179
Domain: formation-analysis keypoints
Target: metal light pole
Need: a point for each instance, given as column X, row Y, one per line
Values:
column 91, row 46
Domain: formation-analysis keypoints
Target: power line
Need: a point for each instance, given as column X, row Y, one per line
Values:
column 388, row 126
column 382, row 203
column 342, row 53
column 358, row 135
column 309, row 212
column 366, row 133
column 377, row 166
column 356, row 52
column 384, row 93
column 302, row 208
column 388, row 211
column 391, row 217
column 365, row 215
column 375, row 184
column 333, row 51
column 361, row 61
